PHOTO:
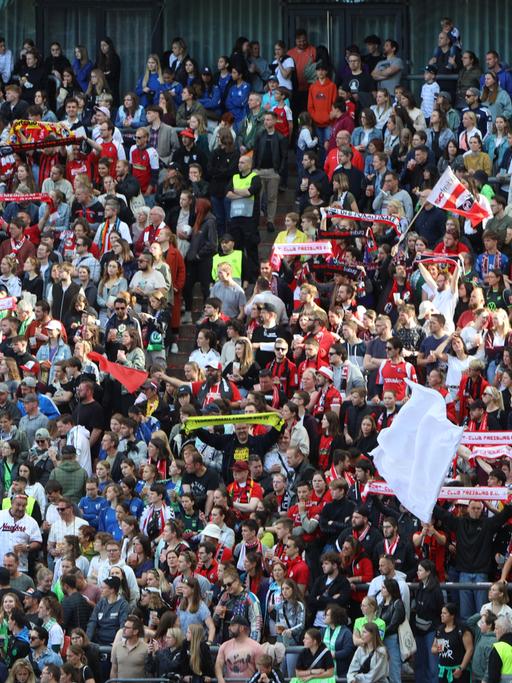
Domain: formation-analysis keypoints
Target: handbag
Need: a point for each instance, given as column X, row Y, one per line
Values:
column 423, row 625
column 406, row 640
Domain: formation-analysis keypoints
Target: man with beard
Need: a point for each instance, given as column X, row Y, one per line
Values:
column 400, row 548
column 328, row 398
column 317, row 329
column 237, row 656
column 117, row 324
column 147, row 280
column 361, row 529
column 476, row 303
column 264, row 337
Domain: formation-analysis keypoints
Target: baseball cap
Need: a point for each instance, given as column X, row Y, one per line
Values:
column 445, row 94
column 273, row 78
column 227, row 237
column 241, row 466
column 426, row 307
column 150, row 385
column 32, row 593
column 30, row 382
column 42, row 433
column 4, row 389
column 187, row 133
column 53, row 325
column 321, row 66
column 214, row 364
column 184, row 391
column 103, row 110
column 431, row 69
column 206, row 71
column 270, row 308
column 31, row 366
column 325, row 371
column 212, row 531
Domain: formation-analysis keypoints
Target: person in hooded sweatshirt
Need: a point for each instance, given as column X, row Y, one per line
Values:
column 70, row 475
column 109, row 614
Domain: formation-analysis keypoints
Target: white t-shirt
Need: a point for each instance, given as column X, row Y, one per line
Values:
column 15, row 531
column 60, row 529
column 287, row 63
column 445, row 302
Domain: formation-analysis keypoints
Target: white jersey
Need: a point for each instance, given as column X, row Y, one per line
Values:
column 15, row 531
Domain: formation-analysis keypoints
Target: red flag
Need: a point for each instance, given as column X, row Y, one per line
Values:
column 450, row 194
column 130, row 379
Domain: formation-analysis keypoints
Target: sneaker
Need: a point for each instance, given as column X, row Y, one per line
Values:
column 174, row 348
column 186, row 318
column 270, row 227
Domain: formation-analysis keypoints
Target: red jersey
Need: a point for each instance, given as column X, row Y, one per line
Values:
column 222, row 389
column 392, row 377
column 282, row 125
column 244, row 494
column 315, row 363
column 328, row 399
column 298, row 570
column 312, row 512
column 211, row 573
column 78, row 167
column 144, row 163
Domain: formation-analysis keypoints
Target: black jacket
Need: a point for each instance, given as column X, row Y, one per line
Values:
column 429, row 602
column 17, row 112
column 474, row 538
column 369, row 542
column 335, row 517
column 322, row 595
column 393, row 615
column 279, row 145
column 205, row 657
column 228, row 444
column 203, row 243
column 221, row 168
column 163, row 663
column 405, row 557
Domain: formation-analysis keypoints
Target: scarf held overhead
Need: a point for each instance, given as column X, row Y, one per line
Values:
column 270, row 419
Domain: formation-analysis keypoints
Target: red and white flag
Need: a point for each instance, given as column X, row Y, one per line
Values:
column 450, row 194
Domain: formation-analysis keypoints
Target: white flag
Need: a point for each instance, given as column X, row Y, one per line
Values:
column 414, row 454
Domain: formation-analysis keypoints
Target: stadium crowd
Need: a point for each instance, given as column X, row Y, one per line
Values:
column 151, row 519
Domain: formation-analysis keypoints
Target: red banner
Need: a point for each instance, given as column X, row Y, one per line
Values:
column 130, row 379
column 32, row 197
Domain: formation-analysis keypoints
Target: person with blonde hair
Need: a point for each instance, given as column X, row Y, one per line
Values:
column 291, row 234
column 149, row 85
column 196, row 658
column 494, row 413
column 371, row 655
column 21, row 672
column 165, row 661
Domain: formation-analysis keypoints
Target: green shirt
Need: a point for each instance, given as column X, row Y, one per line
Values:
column 379, row 623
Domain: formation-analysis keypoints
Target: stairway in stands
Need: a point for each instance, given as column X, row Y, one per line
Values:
column 186, row 342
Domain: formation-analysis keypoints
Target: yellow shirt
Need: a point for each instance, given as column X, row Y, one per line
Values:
column 283, row 238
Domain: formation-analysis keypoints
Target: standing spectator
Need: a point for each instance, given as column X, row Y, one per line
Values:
column 237, row 656
column 321, row 98
column 270, row 159
column 109, row 615
column 303, row 56
column 388, row 72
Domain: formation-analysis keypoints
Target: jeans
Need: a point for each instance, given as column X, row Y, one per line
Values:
column 426, row 664
column 471, row 601
column 323, row 135
column 395, row 660
column 220, row 208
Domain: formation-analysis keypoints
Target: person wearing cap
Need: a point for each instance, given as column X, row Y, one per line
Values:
column 7, row 405
column 33, row 419
column 429, row 91
column 189, row 153
column 54, row 351
column 483, row 119
column 211, row 96
column 327, row 398
column 244, row 493
column 30, row 385
column 109, row 615
column 235, row 258
column 237, row 656
column 102, row 115
column 106, row 146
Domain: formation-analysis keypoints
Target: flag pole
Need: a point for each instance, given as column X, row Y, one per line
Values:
column 402, row 237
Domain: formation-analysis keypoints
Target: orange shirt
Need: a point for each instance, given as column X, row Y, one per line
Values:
column 301, row 59
column 320, row 100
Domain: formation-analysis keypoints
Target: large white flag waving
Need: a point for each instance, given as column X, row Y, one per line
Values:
column 414, row 454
